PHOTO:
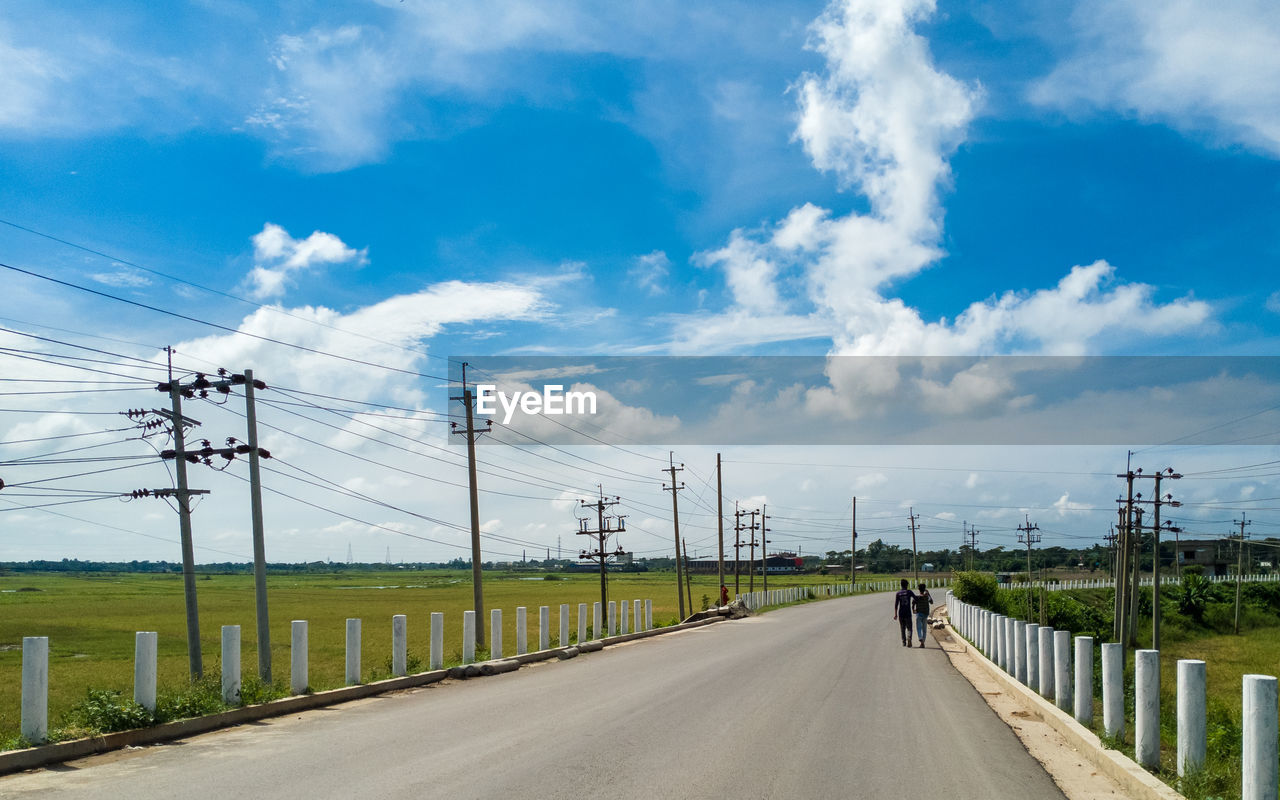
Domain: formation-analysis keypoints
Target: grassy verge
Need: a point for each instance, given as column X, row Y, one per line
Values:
column 91, row 619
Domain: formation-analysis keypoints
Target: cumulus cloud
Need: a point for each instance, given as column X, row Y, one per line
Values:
column 277, row 256
column 1200, row 67
column 884, row 121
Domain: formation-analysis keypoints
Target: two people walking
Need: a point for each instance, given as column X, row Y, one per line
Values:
column 907, row 603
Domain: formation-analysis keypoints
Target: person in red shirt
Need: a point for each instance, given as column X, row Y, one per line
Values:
column 902, row 610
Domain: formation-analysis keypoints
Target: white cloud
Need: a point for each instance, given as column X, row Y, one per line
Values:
column 650, row 271
column 277, row 256
column 123, row 277
column 884, row 121
column 1200, row 67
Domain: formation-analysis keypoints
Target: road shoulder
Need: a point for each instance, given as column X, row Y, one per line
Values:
column 1074, row 775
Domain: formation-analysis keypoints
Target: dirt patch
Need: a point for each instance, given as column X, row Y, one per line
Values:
column 1073, row 774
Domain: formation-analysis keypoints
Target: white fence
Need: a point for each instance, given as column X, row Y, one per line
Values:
column 1004, row 641
column 35, row 653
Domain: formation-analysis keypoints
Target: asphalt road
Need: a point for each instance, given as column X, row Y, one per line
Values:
column 812, row 701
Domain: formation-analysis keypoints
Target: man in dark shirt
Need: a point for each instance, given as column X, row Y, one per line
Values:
column 902, row 611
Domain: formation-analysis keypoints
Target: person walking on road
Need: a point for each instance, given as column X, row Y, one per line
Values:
column 922, row 603
column 902, row 603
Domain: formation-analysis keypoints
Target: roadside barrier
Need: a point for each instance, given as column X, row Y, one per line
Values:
column 1260, row 753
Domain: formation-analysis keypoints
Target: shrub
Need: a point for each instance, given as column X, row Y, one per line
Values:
column 977, row 588
column 106, row 711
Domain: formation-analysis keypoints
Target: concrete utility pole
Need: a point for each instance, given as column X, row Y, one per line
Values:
column 719, row 526
column 751, row 561
column 973, row 544
column 1030, row 534
column 853, row 554
column 764, row 547
column 912, row 517
column 183, row 497
column 1160, row 500
column 603, row 530
column 737, row 549
column 675, row 488
column 688, row 579
column 259, row 540
column 471, row 434
column 1126, row 554
column 1240, row 566
column 1136, row 576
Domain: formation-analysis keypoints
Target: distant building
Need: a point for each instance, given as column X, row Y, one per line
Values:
column 778, row 564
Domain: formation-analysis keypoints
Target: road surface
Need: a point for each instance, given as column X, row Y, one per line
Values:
column 819, row 700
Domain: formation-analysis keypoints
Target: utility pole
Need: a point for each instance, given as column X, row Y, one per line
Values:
column 853, row 554
column 1155, row 550
column 675, row 488
column 764, row 547
column 751, row 563
column 1240, row 567
column 1135, row 578
column 737, row 549
column 719, row 527
column 1126, row 553
column 471, row 434
column 688, row 579
column 602, row 532
column 912, row 517
column 175, row 390
column 1110, row 539
column 973, row 544
column 1030, row 534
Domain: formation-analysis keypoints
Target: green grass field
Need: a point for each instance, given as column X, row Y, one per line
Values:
column 91, row 619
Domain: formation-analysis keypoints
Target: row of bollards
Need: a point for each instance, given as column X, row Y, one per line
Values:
column 1009, row 644
column 35, row 653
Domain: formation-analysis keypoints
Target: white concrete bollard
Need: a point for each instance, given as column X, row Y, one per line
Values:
column 1062, row 669
column 1084, row 680
column 231, row 664
column 299, row 680
column 35, row 689
column 1020, row 651
column 582, row 622
column 597, row 623
column 495, row 633
column 1146, row 708
column 1259, row 729
column 1006, row 645
column 613, row 617
column 436, row 655
column 648, row 615
column 1113, row 689
column 1033, row 656
column 399, row 645
column 544, row 627
column 1046, row 662
column 468, row 636
column 623, row 607
column 564, row 626
column 637, row 613
column 353, row 652
column 522, row 630
column 144, row 669
column 997, row 635
column 1191, row 716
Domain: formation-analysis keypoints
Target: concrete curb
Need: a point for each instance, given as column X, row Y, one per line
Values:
column 1133, row 779
column 32, row 757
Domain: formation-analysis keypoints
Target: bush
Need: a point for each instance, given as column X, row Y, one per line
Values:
column 978, row 589
column 105, row 711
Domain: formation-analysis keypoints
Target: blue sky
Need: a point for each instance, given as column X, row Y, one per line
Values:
column 867, row 177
